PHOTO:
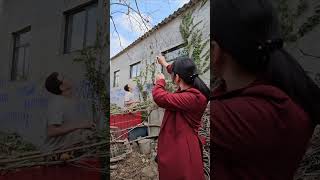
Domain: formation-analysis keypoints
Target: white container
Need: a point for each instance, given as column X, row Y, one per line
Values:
column 145, row 146
column 154, row 131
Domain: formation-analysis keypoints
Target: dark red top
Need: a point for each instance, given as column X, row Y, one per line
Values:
column 258, row 133
column 179, row 146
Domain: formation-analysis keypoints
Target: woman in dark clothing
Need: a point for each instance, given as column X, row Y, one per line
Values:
column 265, row 109
column 179, row 145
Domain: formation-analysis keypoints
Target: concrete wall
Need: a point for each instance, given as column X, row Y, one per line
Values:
column 166, row 37
column 309, row 44
column 47, row 32
column 23, row 104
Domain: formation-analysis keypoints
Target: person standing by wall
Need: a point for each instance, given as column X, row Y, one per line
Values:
column 179, row 145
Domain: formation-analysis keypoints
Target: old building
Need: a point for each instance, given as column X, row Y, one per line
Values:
column 37, row 38
column 164, row 38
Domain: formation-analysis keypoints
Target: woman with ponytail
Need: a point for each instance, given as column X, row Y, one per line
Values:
column 265, row 110
column 179, row 146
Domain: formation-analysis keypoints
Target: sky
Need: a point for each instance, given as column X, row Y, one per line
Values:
column 130, row 27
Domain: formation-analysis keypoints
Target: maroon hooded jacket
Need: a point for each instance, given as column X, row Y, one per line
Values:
column 258, row 133
column 179, row 145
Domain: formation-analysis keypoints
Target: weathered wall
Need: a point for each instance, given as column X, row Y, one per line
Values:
column 24, row 104
column 308, row 43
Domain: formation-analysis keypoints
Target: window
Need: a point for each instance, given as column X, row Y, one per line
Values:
column 171, row 55
column 135, row 70
column 21, row 55
column 81, row 28
column 116, row 78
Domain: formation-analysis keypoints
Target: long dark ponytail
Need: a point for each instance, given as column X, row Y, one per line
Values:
column 249, row 31
column 187, row 70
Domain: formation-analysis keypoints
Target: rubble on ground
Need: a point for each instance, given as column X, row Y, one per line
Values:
column 310, row 165
column 135, row 166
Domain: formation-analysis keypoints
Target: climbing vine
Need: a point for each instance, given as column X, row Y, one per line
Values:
column 142, row 80
column 96, row 73
column 291, row 29
column 195, row 43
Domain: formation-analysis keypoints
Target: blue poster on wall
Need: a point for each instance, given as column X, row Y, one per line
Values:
column 24, row 107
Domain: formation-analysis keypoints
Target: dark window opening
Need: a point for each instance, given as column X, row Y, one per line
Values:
column 116, row 76
column 81, row 27
column 21, row 55
column 173, row 54
column 134, row 70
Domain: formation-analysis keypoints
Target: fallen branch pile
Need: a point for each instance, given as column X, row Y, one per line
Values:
column 12, row 143
column 16, row 153
column 144, row 106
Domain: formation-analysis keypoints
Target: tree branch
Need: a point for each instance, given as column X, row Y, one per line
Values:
column 129, row 7
column 139, row 13
column 115, row 28
column 307, row 54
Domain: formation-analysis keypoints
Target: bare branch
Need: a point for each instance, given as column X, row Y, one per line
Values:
column 115, row 28
column 129, row 7
column 130, row 16
column 139, row 13
column 307, row 54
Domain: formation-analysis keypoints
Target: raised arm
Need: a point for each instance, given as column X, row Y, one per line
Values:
column 172, row 101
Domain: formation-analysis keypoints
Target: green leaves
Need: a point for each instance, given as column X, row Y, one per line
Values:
column 91, row 57
column 292, row 30
column 196, row 46
column 144, row 79
column 302, row 8
column 12, row 143
column 309, row 25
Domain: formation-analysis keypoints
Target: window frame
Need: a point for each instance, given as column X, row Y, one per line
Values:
column 170, row 61
column 133, row 65
column 68, row 31
column 114, row 78
column 14, row 69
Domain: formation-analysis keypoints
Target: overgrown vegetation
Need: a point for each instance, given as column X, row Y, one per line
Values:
column 197, row 46
column 292, row 28
column 96, row 73
column 12, row 144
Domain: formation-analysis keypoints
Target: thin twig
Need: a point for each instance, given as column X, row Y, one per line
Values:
column 115, row 28
column 129, row 7
column 307, row 54
column 21, row 155
column 52, row 153
column 139, row 13
column 45, row 163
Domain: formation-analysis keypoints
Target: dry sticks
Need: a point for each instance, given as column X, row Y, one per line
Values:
column 37, row 159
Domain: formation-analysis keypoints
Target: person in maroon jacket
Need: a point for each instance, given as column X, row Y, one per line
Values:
column 266, row 107
column 179, row 146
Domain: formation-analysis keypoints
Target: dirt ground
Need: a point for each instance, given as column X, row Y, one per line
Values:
column 135, row 166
